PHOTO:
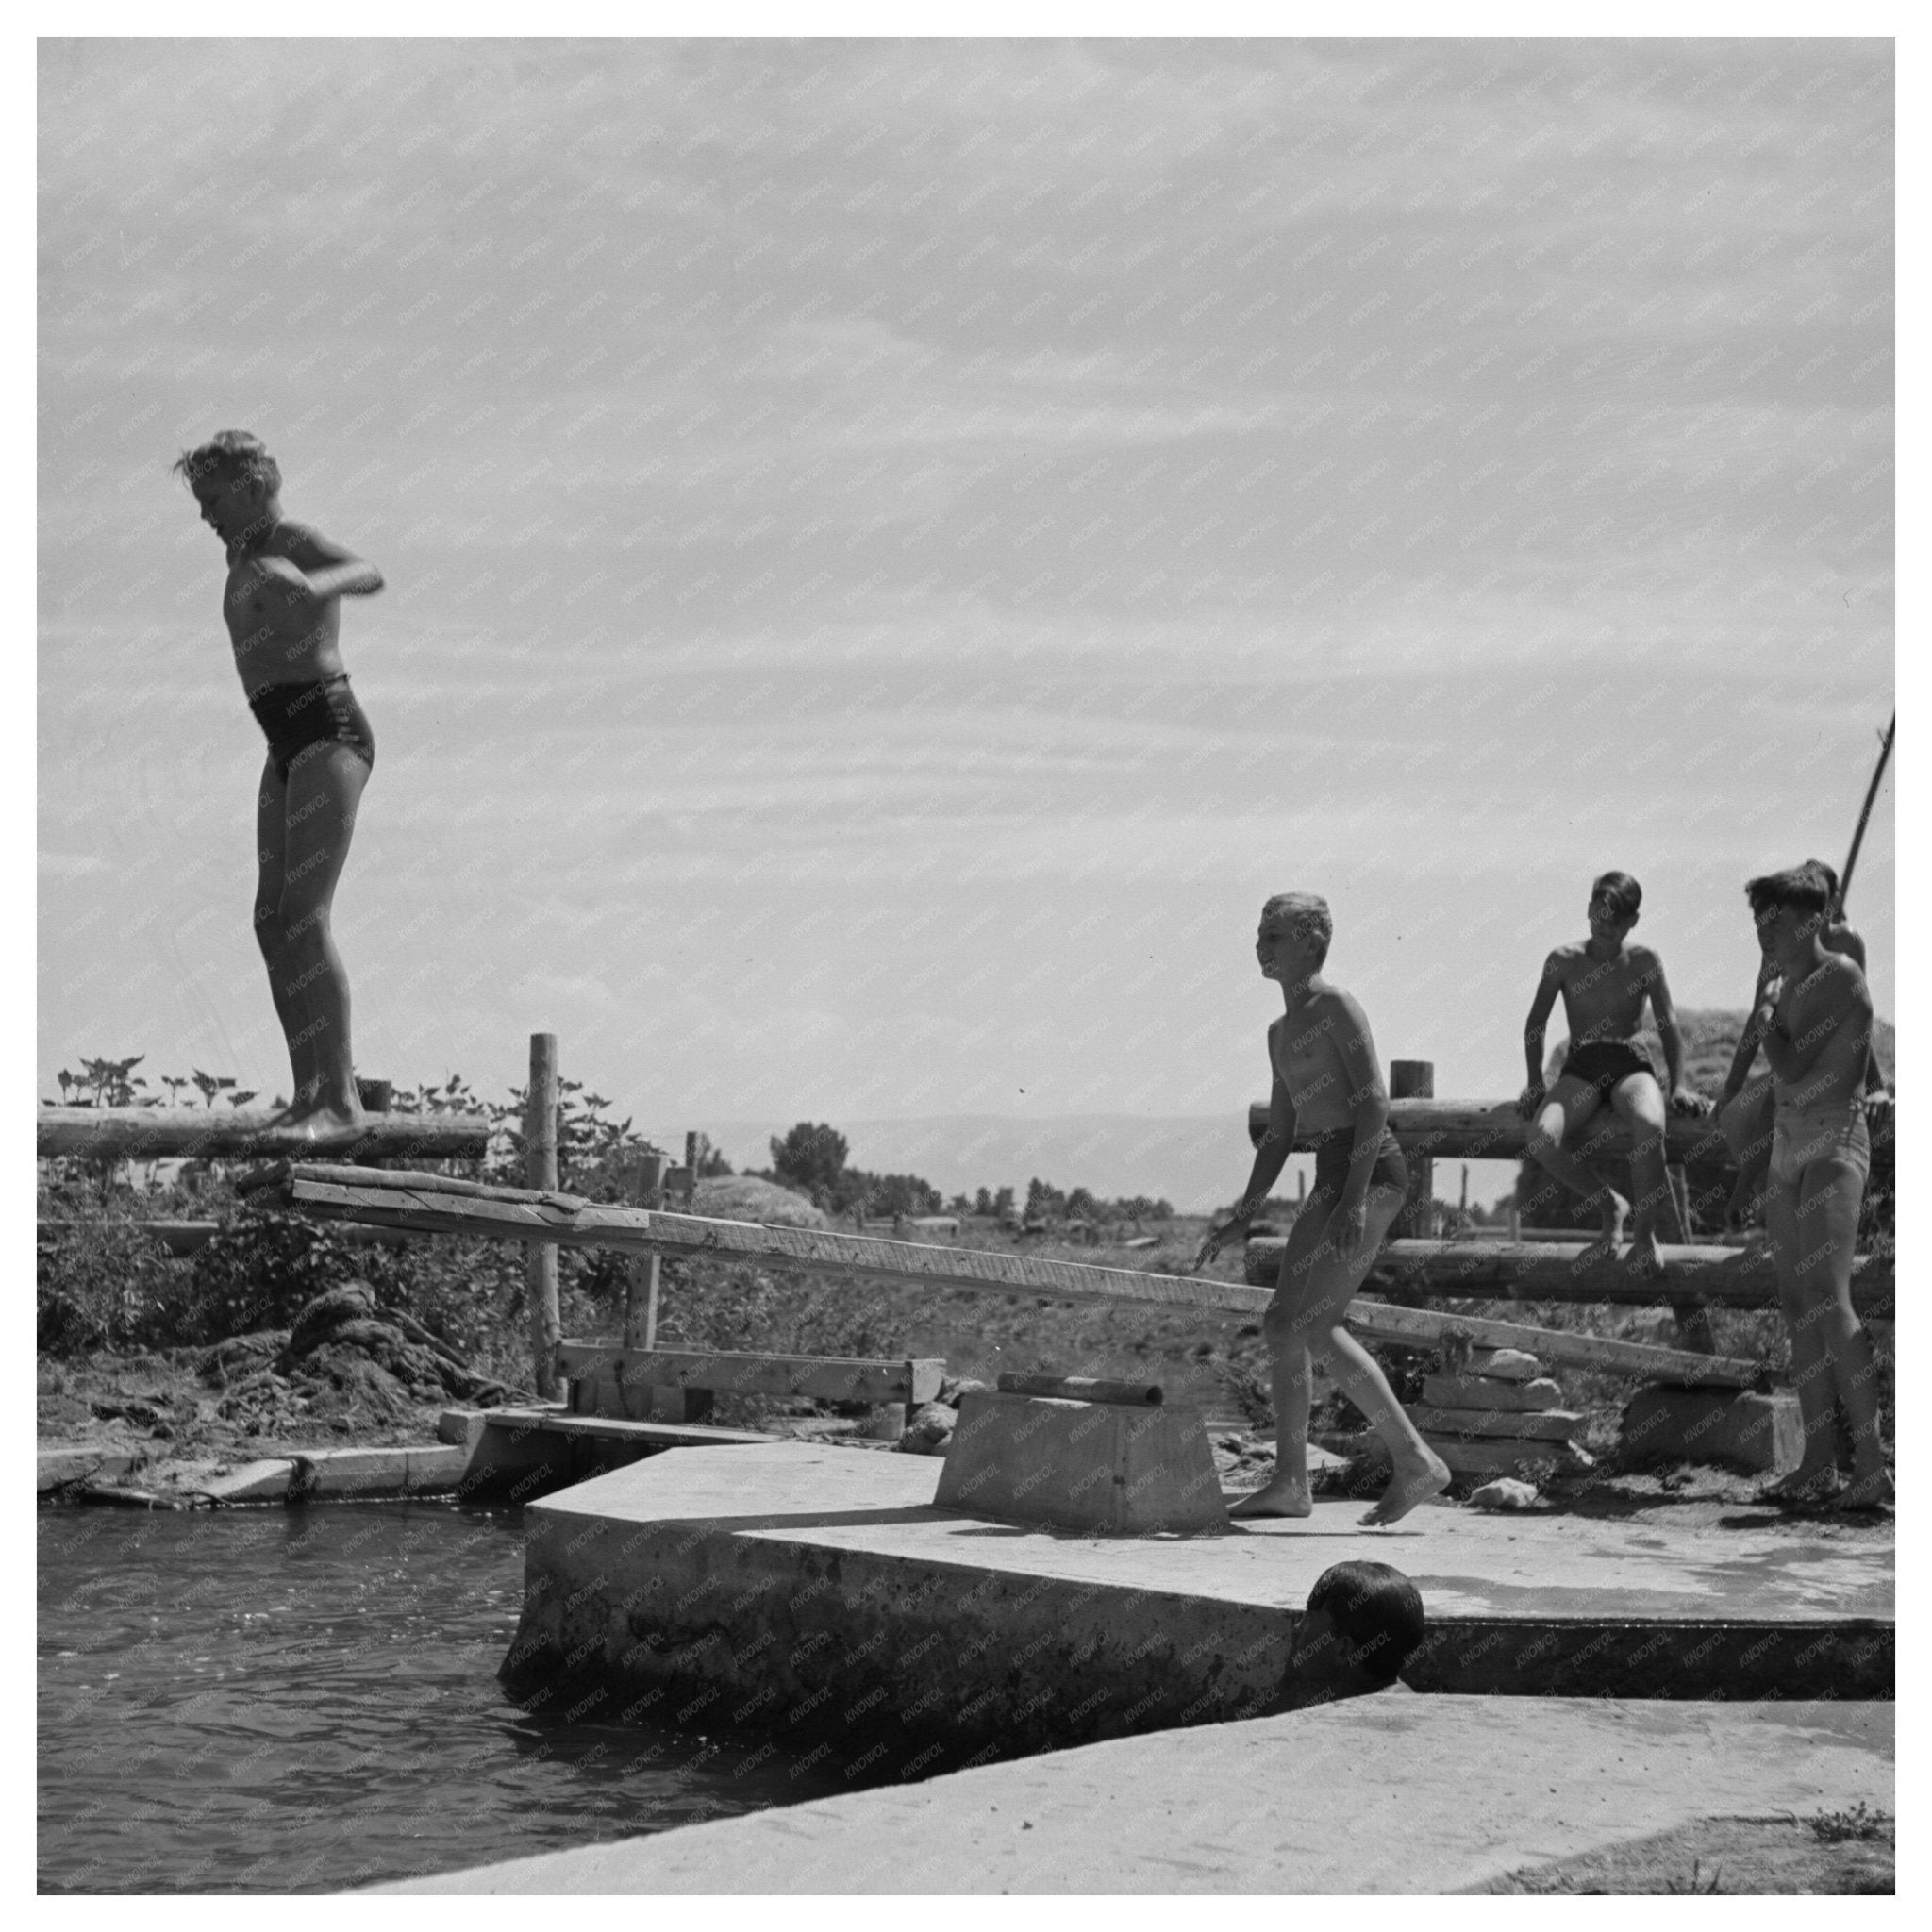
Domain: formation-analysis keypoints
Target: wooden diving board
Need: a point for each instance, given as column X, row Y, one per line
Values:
column 435, row 1204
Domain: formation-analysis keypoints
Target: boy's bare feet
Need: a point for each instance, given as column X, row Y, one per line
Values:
column 1874, row 1492
column 1804, row 1489
column 322, row 1126
column 1613, row 1207
column 1284, row 1497
column 1413, row 1483
column 1645, row 1257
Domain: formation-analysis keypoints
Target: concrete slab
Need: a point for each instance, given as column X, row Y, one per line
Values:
column 1374, row 1795
column 809, row 1585
column 60, row 1468
column 342, row 1474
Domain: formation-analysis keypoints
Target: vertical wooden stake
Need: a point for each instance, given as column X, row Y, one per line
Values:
column 640, row 1291
column 539, row 1266
column 1694, row 1318
column 1415, row 1080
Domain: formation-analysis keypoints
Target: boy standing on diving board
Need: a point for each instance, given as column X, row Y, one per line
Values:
column 1604, row 982
column 1327, row 1086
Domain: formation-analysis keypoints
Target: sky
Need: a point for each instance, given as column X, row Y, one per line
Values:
column 894, row 550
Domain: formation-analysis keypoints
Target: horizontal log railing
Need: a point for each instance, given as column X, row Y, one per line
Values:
column 1723, row 1277
column 152, row 1133
column 436, row 1204
column 1493, row 1131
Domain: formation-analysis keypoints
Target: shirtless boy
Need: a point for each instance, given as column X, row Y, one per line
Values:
column 282, row 613
column 1604, row 982
column 1327, row 1085
column 1745, row 1108
column 1816, row 1024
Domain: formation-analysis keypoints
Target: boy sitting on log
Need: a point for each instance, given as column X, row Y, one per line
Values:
column 1606, row 982
column 1327, row 1084
column 1815, row 1021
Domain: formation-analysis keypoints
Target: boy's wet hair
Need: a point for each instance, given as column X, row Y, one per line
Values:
column 1375, row 1611
column 1306, row 912
column 226, row 456
column 1622, row 892
column 1828, row 874
column 1801, row 887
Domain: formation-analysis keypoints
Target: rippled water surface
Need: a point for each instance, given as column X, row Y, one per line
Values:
column 298, row 1700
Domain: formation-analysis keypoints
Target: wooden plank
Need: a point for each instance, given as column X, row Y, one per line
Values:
column 829, row 1378
column 609, row 1429
column 421, row 1204
column 1426, row 1328
column 1722, row 1276
column 1486, row 1394
column 1493, row 1131
column 417, row 1202
column 148, row 1133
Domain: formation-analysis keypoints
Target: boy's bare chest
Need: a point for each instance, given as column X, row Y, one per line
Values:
column 1607, row 986
column 1308, row 1060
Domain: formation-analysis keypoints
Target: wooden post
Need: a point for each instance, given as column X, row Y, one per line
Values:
column 539, row 1161
column 1692, row 1318
column 1415, row 1080
column 645, row 1183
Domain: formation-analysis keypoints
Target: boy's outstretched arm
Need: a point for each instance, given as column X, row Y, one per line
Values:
column 1682, row 1098
column 1547, row 989
column 1271, row 1157
column 331, row 571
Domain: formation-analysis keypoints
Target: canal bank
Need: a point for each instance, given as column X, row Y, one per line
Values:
column 1393, row 1793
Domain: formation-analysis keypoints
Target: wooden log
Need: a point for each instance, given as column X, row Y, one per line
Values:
column 604, row 1428
column 540, row 1265
column 828, row 1378
column 1493, row 1131
column 425, row 1204
column 152, row 1133
column 1083, row 1389
column 1415, row 1080
column 1717, row 1276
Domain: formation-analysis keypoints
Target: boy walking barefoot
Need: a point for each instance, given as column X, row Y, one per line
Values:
column 282, row 609
column 1327, row 1084
column 1604, row 983
column 1816, row 1024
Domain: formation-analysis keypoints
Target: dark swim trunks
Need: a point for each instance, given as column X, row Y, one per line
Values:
column 322, row 711
column 1332, row 1155
column 1606, row 1063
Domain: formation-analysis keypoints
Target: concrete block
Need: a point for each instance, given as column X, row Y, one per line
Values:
column 1745, row 1431
column 341, row 1474
column 263, row 1481
column 1490, row 1391
column 1082, row 1465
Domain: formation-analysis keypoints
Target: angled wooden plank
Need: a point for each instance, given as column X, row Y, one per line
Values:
column 149, row 1133
column 421, row 1204
column 830, row 1378
column 522, row 1215
column 1426, row 1328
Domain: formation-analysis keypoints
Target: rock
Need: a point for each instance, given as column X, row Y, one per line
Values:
column 1743, row 1430
column 1490, row 1392
column 240, row 1356
column 930, row 1429
column 953, row 1387
column 1505, row 1493
column 320, row 1319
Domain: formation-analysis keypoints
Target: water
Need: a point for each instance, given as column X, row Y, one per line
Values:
column 303, row 1700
